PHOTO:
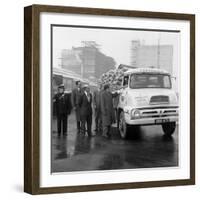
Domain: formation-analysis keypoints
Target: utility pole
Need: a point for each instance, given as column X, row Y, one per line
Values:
column 158, row 53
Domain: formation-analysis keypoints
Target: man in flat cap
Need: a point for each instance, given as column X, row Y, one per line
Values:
column 85, row 103
column 76, row 93
column 63, row 109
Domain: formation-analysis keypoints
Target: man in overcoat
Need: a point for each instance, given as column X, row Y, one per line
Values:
column 76, row 93
column 107, row 110
column 85, row 103
column 63, row 108
column 97, row 109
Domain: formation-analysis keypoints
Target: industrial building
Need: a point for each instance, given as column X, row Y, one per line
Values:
column 159, row 56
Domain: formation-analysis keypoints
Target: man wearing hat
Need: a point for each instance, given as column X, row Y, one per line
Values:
column 107, row 110
column 85, row 103
column 76, row 93
column 63, row 109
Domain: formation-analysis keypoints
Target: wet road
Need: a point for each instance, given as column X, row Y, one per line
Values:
column 148, row 148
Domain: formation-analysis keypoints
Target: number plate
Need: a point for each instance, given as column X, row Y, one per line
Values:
column 160, row 121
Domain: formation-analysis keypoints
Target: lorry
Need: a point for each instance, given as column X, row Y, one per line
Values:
column 147, row 98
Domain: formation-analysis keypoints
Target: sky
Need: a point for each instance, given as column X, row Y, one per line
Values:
column 114, row 43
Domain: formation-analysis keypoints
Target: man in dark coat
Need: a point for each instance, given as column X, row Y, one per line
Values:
column 76, row 93
column 97, row 109
column 85, row 103
column 63, row 109
column 107, row 110
column 115, row 104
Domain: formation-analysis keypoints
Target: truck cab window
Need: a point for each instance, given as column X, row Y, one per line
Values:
column 125, row 81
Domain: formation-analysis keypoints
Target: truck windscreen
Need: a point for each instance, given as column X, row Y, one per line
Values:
column 150, row 81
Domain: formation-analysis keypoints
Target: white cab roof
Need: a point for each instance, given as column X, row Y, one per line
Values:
column 146, row 70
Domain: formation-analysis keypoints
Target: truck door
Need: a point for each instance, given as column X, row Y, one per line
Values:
column 124, row 90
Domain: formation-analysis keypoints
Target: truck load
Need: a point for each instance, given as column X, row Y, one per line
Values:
column 114, row 77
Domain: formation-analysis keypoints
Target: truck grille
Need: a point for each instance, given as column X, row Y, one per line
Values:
column 156, row 112
column 161, row 99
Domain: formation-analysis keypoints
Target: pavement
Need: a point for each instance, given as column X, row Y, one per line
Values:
column 147, row 148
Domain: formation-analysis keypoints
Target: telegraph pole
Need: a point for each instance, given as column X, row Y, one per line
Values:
column 158, row 54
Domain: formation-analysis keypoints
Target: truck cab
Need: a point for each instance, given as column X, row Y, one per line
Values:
column 147, row 98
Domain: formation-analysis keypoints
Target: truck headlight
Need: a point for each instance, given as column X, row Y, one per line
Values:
column 135, row 114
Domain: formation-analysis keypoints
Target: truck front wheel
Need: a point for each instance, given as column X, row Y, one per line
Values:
column 169, row 128
column 123, row 126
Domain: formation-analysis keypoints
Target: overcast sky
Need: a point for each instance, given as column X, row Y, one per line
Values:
column 114, row 43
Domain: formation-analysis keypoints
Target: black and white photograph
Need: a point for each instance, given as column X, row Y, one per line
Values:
column 109, row 99
column 114, row 98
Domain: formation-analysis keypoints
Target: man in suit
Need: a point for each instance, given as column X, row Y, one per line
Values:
column 76, row 93
column 107, row 110
column 63, row 109
column 85, row 103
column 97, row 108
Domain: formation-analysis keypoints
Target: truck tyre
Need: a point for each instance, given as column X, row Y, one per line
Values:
column 169, row 128
column 123, row 126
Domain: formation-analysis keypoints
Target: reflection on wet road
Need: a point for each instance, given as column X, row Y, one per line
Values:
column 148, row 148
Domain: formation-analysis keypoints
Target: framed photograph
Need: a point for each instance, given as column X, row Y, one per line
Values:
column 109, row 99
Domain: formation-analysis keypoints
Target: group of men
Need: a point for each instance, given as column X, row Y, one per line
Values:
column 82, row 101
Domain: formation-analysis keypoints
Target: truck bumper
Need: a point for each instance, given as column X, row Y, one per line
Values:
column 154, row 116
column 151, row 121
